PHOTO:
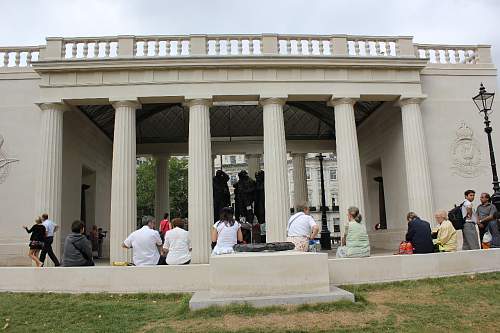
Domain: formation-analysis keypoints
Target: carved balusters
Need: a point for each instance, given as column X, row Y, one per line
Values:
column 367, row 48
column 299, row 46
column 377, row 48
column 250, row 46
column 321, row 48
column 447, row 56
column 29, row 56
column 73, row 50
column 356, row 48
column 309, row 47
column 85, row 49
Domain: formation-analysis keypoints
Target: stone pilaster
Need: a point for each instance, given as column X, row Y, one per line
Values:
column 253, row 164
column 348, row 164
column 200, row 196
column 418, row 177
column 162, row 197
column 49, row 181
column 275, row 166
column 300, row 193
column 123, row 217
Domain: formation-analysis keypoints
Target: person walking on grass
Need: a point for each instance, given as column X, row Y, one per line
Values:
column 37, row 240
column 51, row 228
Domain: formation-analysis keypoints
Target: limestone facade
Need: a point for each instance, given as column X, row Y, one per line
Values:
column 385, row 106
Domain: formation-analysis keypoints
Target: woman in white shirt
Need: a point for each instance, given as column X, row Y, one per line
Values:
column 226, row 232
column 177, row 244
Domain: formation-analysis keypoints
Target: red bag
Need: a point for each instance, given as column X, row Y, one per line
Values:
column 405, row 248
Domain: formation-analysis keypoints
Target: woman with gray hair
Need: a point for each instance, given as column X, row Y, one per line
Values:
column 355, row 237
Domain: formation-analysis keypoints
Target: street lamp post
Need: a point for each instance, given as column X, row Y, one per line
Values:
column 484, row 101
column 325, row 241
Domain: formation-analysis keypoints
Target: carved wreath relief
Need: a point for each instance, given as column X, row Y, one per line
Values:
column 5, row 162
column 466, row 154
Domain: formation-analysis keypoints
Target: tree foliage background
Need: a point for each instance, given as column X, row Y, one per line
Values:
column 146, row 187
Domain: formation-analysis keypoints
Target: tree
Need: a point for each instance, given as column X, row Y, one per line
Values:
column 145, row 187
column 146, row 182
column 178, row 172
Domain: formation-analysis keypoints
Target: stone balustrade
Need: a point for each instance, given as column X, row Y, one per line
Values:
column 448, row 54
column 89, row 48
column 18, row 56
column 158, row 46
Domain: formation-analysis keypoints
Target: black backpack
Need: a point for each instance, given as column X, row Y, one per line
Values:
column 456, row 217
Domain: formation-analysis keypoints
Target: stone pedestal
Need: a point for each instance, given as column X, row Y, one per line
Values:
column 200, row 196
column 348, row 164
column 276, row 174
column 269, row 278
column 418, row 177
column 162, row 198
column 49, row 186
column 300, row 193
column 123, row 217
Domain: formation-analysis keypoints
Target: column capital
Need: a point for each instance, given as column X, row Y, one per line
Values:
column 198, row 101
column 53, row 106
column 403, row 101
column 272, row 100
column 126, row 103
column 342, row 100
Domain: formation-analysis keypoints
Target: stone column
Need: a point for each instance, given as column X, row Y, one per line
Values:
column 49, row 181
column 123, row 219
column 200, row 196
column 162, row 197
column 253, row 164
column 418, row 178
column 277, row 199
column 299, row 179
column 348, row 164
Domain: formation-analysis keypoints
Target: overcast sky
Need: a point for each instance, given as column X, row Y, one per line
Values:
column 28, row 22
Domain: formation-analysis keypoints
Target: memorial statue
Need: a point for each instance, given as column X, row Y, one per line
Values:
column 260, row 210
column 222, row 197
column 244, row 190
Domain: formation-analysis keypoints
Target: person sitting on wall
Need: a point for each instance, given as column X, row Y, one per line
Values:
column 355, row 237
column 494, row 228
column 446, row 239
column 146, row 243
column 226, row 232
column 301, row 228
column 419, row 234
column 77, row 248
column 177, row 245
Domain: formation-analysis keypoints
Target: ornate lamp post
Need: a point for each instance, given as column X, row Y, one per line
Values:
column 484, row 101
column 325, row 241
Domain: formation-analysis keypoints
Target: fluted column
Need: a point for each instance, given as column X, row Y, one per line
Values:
column 123, row 217
column 200, row 200
column 277, row 199
column 162, row 197
column 253, row 164
column 49, row 181
column 418, row 178
column 300, row 193
column 348, row 164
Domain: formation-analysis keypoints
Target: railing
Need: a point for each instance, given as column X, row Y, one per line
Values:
column 326, row 46
column 448, row 54
column 18, row 56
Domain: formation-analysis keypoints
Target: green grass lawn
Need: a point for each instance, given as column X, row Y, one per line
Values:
column 457, row 304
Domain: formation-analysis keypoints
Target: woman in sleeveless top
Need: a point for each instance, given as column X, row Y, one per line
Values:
column 37, row 239
column 355, row 238
column 226, row 233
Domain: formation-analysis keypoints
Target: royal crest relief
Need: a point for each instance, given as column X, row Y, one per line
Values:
column 466, row 153
column 5, row 162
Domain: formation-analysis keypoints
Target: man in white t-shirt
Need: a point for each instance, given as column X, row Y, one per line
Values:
column 470, row 235
column 301, row 228
column 177, row 244
column 50, row 228
column 145, row 242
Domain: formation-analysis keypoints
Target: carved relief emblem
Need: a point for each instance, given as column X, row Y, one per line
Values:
column 5, row 162
column 466, row 154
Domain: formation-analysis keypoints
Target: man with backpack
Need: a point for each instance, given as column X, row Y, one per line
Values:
column 470, row 235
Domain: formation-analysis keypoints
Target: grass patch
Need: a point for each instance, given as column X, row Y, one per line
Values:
column 455, row 304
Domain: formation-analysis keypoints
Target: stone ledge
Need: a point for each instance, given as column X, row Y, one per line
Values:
column 202, row 299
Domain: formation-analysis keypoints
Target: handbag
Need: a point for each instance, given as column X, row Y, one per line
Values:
column 405, row 248
column 487, row 237
column 341, row 252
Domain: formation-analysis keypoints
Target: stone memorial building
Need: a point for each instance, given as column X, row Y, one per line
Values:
column 75, row 114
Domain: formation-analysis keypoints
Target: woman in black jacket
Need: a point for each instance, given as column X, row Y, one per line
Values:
column 37, row 239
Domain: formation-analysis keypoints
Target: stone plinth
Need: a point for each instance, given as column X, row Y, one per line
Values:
column 264, row 274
